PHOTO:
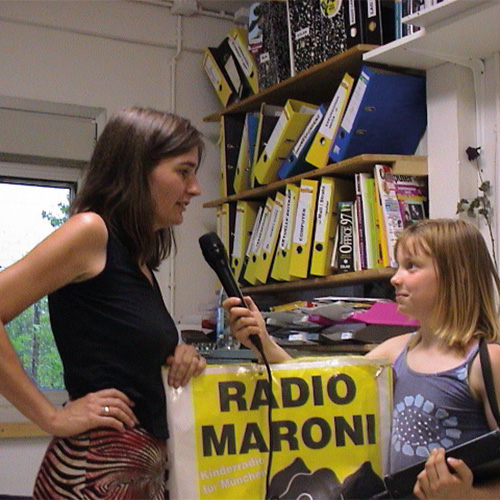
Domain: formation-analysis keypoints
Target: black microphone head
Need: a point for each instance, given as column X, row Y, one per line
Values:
column 213, row 249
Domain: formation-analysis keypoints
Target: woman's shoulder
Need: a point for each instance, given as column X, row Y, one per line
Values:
column 390, row 348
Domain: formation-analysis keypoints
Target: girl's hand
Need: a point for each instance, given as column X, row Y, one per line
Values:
column 105, row 408
column 437, row 482
column 184, row 364
column 244, row 321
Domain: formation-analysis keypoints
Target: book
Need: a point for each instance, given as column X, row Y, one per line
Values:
column 392, row 220
column 411, row 192
column 344, row 257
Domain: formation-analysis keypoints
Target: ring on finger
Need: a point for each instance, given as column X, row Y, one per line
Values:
column 105, row 410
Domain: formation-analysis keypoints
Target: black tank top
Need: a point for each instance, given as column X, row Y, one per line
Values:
column 114, row 331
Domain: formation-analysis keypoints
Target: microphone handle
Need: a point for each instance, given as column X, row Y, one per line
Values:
column 233, row 290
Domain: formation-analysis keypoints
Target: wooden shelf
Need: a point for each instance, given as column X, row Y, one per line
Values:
column 402, row 165
column 456, row 31
column 335, row 280
column 315, row 85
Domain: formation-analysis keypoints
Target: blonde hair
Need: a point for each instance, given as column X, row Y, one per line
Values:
column 468, row 282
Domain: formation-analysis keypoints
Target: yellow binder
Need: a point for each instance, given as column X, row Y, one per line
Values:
column 303, row 229
column 241, row 180
column 323, row 140
column 246, row 212
column 266, row 254
column 223, row 88
column 225, row 222
column 331, row 191
column 251, row 265
column 292, row 121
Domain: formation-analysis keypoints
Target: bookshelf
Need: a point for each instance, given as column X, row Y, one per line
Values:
column 317, row 85
column 451, row 31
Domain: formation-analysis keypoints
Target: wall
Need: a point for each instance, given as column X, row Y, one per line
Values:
column 110, row 55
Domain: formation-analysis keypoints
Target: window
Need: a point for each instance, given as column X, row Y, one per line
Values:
column 36, row 209
column 33, row 202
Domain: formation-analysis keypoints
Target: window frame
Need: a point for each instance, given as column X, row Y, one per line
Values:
column 43, row 174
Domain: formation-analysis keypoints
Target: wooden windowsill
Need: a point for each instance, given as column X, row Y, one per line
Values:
column 10, row 430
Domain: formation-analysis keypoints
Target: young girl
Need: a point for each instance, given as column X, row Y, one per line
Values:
column 109, row 320
column 447, row 281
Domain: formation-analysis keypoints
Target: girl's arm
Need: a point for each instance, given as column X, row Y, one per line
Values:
column 74, row 252
column 390, row 348
column 244, row 322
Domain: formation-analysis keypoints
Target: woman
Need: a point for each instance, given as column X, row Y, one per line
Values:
column 110, row 324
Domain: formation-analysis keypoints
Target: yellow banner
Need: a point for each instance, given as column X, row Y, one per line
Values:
column 329, row 416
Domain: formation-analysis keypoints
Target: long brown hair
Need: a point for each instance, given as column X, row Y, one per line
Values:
column 468, row 282
column 116, row 184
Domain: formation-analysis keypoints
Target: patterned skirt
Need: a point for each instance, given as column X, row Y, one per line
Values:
column 104, row 464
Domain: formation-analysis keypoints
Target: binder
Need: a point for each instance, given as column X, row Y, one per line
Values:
column 267, row 252
column 392, row 220
column 359, row 234
column 317, row 32
column 379, row 21
column 232, row 127
column 267, row 119
column 268, row 41
column 280, row 270
column 386, row 115
column 383, row 251
column 251, row 244
column 242, row 176
column 246, row 212
column 295, row 163
column 237, row 39
column 220, row 80
column 251, row 266
column 226, row 75
column 303, row 228
column 331, row 191
column 225, row 216
column 322, row 142
column 293, row 119
column 353, row 18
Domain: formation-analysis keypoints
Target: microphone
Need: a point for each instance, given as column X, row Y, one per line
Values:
column 215, row 254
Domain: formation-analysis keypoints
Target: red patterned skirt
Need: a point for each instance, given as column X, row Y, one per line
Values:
column 104, row 464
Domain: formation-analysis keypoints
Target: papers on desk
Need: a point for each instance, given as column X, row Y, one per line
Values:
column 333, row 319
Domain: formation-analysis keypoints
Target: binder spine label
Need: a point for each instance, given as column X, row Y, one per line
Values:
column 346, row 237
column 273, row 224
column 241, row 56
column 357, row 96
column 352, row 12
column 301, row 231
column 238, row 232
column 211, row 72
column 371, row 6
column 302, row 33
column 324, row 196
column 286, row 231
column 333, row 115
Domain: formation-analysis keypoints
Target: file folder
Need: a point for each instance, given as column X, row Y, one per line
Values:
column 280, row 270
column 268, row 118
column 367, row 196
column 250, row 251
column 251, row 266
column 322, row 142
column 331, row 191
column 266, row 254
column 303, row 228
column 225, row 224
column 219, row 79
column 242, row 176
column 386, row 115
column 232, row 127
column 246, row 212
column 292, row 121
column 295, row 163
column 237, row 39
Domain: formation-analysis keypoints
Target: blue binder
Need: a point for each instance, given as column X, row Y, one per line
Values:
column 387, row 114
column 295, row 162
